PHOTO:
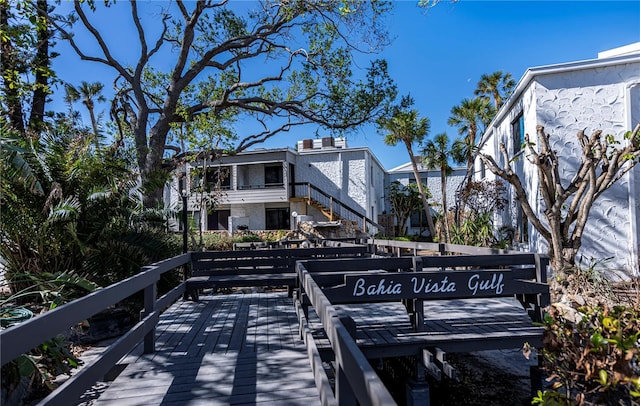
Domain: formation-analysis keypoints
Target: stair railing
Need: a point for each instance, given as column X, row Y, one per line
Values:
column 335, row 207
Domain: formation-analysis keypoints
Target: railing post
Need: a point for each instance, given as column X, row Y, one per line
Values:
column 331, row 209
column 186, row 274
column 150, row 294
column 185, row 222
column 344, row 393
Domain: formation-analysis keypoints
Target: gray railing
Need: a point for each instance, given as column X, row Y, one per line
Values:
column 356, row 380
column 412, row 248
column 27, row 335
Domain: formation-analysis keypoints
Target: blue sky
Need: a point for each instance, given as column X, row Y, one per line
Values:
column 439, row 54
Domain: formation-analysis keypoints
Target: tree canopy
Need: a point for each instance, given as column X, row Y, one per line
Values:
column 220, row 66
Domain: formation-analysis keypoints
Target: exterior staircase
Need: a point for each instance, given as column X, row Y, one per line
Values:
column 333, row 209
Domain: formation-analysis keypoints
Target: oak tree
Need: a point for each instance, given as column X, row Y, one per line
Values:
column 258, row 68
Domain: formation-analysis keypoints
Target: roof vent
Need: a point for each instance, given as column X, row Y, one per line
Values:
column 327, row 142
column 307, row 144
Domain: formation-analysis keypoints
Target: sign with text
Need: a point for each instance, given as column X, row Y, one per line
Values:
column 426, row 285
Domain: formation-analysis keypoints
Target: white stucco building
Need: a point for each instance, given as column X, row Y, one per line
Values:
column 432, row 178
column 602, row 93
column 265, row 189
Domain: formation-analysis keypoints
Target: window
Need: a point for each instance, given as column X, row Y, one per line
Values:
column 418, row 219
column 218, row 220
column 181, row 184
column 517, row 132
column 219, row 178
column 277, row 219
column 273, row 175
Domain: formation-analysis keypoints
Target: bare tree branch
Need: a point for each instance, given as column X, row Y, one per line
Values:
column 567, row 210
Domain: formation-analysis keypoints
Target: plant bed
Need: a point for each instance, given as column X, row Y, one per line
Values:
column 104, row 325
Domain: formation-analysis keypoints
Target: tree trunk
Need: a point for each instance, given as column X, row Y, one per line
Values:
column 443, row 186
column 94, row 125
column 10, row 78
column 153, row 175
column 425, row 203
column 42, row 72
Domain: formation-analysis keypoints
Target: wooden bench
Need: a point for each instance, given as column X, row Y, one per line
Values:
column 426, row 306
column 258, row 267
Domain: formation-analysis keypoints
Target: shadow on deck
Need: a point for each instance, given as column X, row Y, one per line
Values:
column 225, row 349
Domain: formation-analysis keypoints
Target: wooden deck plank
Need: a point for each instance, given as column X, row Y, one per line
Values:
column 460, row 325
column 225, row 349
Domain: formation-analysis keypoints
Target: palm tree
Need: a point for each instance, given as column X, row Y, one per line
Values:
column 88, row 92
column 470, row 116
column 497, row 85
column 436, row 155
column 405, row 126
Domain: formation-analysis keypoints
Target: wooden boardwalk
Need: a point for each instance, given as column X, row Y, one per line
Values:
column 460, row 325
column 236, row 349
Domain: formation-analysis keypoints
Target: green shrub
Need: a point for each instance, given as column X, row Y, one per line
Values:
column 216, row 242
column 591, row 356
column 39, row 368
column 247, row 238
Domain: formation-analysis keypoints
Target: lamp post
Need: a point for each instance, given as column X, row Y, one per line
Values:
column 185, row 226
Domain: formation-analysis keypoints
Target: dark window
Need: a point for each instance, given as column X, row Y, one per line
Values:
column 273, row 175
column 517, row 132
column 218, row 220
column 196, row 179
column 219, row 178
column 418, row 219
column 277, row 219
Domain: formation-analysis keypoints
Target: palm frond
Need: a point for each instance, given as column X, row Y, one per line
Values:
column 99, row 193
column 65, row 210
column 17, row 167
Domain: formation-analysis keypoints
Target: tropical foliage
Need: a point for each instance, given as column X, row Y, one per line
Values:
column 471, row 116
column 86, row 218
column 404, row 126
column 591, row 356
column 437, row 154
column 404, row 201
column 497, row 86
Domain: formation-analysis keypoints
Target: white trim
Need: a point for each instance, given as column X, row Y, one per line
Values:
column 623, row 50
column 532, row 73
column 634, row 240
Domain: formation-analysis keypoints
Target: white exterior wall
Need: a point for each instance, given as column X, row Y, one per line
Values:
column 433, row 182
column 339, row 173
column 565, row 102
column 376, row 189
column 405, row 173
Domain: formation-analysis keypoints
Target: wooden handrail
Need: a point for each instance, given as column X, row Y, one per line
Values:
column 21, row 338
column 351, row 364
